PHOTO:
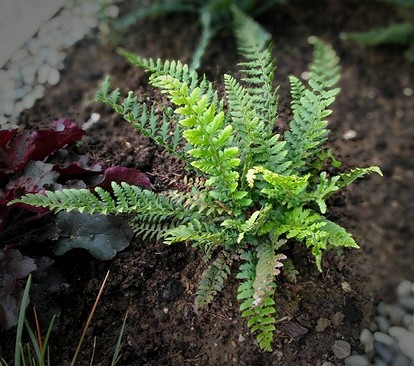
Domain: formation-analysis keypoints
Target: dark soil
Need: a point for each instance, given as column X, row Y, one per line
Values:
column 156, row 284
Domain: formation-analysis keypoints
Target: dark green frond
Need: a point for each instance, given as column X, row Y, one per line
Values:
column 175, row 69
column 201, row 234
column 308, row 129
column 212, row 282
column 401, row 33
column 259, row 68
column 256, row 292
column 163, row 130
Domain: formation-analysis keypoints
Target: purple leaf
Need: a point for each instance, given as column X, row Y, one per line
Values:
column 121, row 174
column 14, row 267
column 6, row 136
column 38, row 144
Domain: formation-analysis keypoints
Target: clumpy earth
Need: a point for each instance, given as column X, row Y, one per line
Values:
column 372, row 124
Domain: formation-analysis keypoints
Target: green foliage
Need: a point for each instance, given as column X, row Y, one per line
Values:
column 256, row 190
column 213, row 16
column 212, row 282
column 397, row 33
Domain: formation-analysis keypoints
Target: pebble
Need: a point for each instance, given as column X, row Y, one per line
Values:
column 407, row 302
column 54, row 76
column 384, row 339
column 383, row 323
column 404, row 288
column 396, row 314
column 356, row 360
column 341, row 349
column 405, row 339
column 327, row 363
column 366, row 337
column 402, row 360
column 385, row 351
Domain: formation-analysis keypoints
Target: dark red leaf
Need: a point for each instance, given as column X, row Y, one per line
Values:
column 38, row 144
column 14, row 267
column 121, row 174
column 6, row 136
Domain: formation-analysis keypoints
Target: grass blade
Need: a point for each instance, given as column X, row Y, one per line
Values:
column 22, row 315
column 118, row 343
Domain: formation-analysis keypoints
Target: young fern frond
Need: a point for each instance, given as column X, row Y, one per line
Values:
column 211, row 140
column 308, row 128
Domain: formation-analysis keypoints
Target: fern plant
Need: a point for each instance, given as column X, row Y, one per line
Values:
column 401, row 33
column 258, row 191
column 213, row 16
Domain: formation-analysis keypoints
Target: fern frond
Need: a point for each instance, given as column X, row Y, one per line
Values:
column 199, row 202
column 213, row 151
column 151, row 230
column 287, row 190
column 245, row 121
column 201, row 234
column 212, row 282
column 324, row 189
column 164, row 131
column 126, row 198
column 308, row 128
column 259, row 67
column 337, row 235
column 251, row 225
column 290, row 271
column 256, row 291
column 347, row 178
column 400, row 33
column 175, row 69
column 306, row 226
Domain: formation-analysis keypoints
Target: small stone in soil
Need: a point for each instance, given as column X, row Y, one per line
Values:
column 356, row 360
column 407, row 302
column 341, row 349
column 404, row 288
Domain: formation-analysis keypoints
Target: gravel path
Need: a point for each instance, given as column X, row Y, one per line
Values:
column 39, row 61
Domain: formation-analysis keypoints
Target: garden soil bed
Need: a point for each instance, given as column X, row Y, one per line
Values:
column 156, row 284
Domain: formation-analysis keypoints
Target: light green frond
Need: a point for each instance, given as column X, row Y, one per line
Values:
column 337, row 235
column 304, row 225
column 347, row 178
column 324, row 189
column 286, row 190
column 211, row 139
